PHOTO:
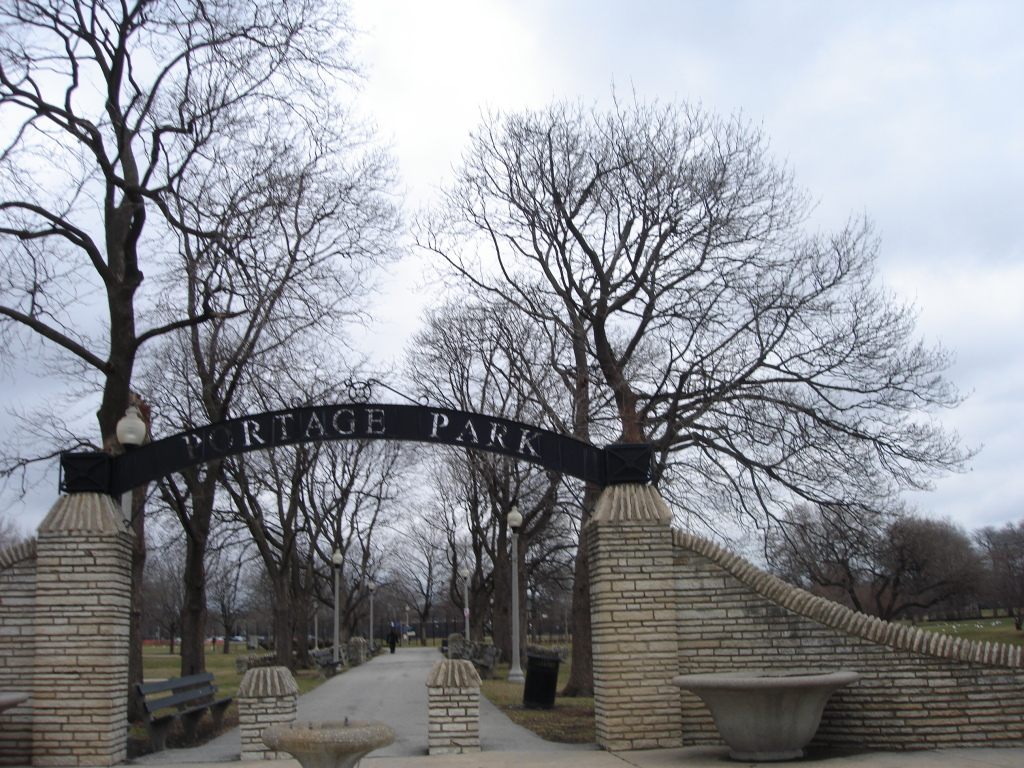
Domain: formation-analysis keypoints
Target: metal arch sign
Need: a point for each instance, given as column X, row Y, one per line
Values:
column 101, row 472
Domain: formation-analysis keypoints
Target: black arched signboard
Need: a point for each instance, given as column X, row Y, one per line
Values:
column 104, row 473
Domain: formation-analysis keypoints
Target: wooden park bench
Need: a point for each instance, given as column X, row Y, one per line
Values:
column 324, row 660
column 486, row 661
column 180, row 698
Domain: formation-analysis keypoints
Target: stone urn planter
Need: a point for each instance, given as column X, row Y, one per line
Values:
column 328, row 744
column 766, row 715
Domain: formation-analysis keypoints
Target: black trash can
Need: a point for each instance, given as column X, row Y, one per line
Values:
column 541, row 682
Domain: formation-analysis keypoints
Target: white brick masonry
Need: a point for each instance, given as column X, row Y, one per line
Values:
column 266, row 696
column 453, row 696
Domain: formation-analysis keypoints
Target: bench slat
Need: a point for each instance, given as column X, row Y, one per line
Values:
column 178, row 699
column 174, row 683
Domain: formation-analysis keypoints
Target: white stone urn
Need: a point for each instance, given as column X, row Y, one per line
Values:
column 766, row 716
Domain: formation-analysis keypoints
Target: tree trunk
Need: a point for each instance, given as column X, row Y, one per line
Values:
column 202, row 488
column 282, row 622
column 581, row 671
column 193, row 612
column 135, row 666
column 301, row 605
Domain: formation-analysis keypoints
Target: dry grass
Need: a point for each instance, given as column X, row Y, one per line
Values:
column 571, row 721
column 996, row 630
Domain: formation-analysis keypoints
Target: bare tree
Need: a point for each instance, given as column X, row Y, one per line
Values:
column 422, row 567
column 763, row 362
column 10, row 533
column 300, row 505
column 227, row 571
column 466, row 358
column 900, row 565
column 670, row 253
column 162, row 586
column 108, row 107
column 1003, row 549
column 301, row 235
column 831, row 547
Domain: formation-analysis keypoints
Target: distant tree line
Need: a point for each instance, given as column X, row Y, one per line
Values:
column 901, row 565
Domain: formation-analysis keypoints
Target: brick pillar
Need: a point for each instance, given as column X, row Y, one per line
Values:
column 633, row 612
column 453, row 696
column 83, row 597
column 266, row 696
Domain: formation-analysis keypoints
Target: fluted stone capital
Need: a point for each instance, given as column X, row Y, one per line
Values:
column 84, row 513
column 268, row 683
column 453, row 673
column 631, row 503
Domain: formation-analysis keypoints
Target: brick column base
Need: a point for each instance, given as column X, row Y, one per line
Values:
column 266, row 696
column 83, row 599
column 453, row 695
column 633, row 616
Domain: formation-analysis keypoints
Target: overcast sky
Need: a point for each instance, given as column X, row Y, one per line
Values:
column 910, row 112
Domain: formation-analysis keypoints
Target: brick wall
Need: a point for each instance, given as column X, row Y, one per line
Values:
column 17, row 648
column 919, row 690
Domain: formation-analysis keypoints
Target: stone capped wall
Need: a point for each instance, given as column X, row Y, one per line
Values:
column 17, row 648
column 919, row 690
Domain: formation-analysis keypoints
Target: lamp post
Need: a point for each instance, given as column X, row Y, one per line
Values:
column 373, row 588
column 464, row 573
column 515, row 521
column 131, row 432
column 336, row 560
column 407, row 609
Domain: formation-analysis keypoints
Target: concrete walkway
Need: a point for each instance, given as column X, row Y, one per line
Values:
column 391, row 688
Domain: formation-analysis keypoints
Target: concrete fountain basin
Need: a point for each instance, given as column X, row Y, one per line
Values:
column 766, row 715
column 330, row 744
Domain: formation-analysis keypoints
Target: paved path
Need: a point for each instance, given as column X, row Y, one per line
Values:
column 392, row 688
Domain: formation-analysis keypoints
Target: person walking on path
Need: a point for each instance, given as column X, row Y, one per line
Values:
column 392, row 640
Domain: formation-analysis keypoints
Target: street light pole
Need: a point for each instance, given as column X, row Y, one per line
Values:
column 373, row 588
column 407, row 626
column 336, row 561
column 464, row 573
column 515, row 521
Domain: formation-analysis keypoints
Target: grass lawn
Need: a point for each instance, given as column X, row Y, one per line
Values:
column 571, row 721
column 987, row 629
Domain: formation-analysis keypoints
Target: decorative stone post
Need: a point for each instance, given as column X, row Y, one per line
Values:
column 453, row 696
column 83, row 601
column 358, row 651
column 266, row 696
column 633, row 616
